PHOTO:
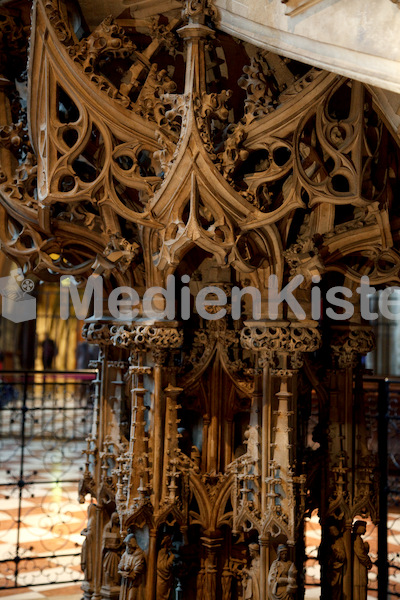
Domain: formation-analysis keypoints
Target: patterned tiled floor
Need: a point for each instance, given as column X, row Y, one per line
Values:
column 39, row 481
column 50, row 516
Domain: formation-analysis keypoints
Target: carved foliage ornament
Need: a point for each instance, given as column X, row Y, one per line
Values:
column 349, row 346
column 280, row 339
column 133, row 335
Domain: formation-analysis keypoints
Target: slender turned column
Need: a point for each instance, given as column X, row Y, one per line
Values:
column 228, row 442
column 170, row 438
column 265, row 433
column 214, row 451
column 158, row 428
column 151, row 566
column 265, row 445
column 99, row 432
column 206, row 425
column 264, row 542
column 349, row 448
column 97, row 567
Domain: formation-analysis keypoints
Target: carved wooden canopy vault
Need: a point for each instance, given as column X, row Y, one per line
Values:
column 158, row 145
column 157, row 136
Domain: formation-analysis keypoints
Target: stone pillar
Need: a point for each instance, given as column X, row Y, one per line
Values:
column 120, row 468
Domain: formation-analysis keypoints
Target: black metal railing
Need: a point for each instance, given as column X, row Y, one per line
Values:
column 384, row 394
column 381, row 404
column 45, row 418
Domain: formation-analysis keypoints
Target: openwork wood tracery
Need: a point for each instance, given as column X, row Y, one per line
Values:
column 156, row 146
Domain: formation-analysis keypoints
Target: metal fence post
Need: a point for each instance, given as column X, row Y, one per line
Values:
column 383, row 410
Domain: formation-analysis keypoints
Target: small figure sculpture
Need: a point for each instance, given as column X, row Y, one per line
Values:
column 195, row 456
column 87, row 560
column 335, row 563
column 251, row 583
column 111, row 546
column 165, row 561
column 132, row 567
column 361, row 562
column 282, row 576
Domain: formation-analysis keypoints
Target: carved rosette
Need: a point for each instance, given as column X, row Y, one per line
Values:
column 348, row 346
column 154, row 336
column 272, row 341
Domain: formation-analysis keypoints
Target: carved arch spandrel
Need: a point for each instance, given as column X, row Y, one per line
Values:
column 232, row 204
column 47, row 49
column 212, row 514
column 215, row 344
column 59, row 180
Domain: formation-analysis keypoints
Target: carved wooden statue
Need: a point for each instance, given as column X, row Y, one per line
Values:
column 251, row 584
column 336, row 562
column 165, row 560
column 282, row 576
column 362, row 562
column 112, row 550
column 88, row 555
column 132, row 567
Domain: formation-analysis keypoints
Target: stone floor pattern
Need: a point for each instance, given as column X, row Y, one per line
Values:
column 50, row 515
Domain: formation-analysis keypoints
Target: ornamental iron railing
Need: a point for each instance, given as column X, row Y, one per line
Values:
column 45, row 418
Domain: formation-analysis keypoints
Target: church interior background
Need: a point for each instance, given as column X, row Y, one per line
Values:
column 224, row 142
